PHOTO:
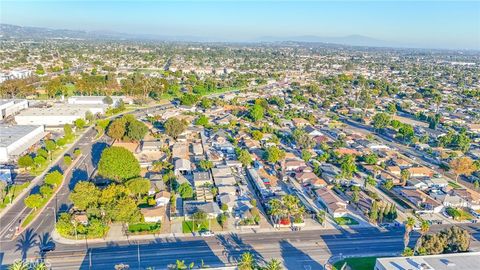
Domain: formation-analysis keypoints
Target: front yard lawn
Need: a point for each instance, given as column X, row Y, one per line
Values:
column 458, row 214
column 188, row 225
column 345, row 221
column 363, row 263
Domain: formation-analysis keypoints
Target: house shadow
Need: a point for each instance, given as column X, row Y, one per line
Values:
column 26, row 242
column 96, row 152
column 77, row 176
column 156, row 254
column 234, row 246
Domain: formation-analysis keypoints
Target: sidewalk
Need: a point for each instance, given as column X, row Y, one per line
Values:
column 116, row 237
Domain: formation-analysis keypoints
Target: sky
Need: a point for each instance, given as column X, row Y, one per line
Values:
column 428, row 24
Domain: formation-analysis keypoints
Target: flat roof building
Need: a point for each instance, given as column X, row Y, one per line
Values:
column 16, row 140
column 454, row 261
column 57, row 115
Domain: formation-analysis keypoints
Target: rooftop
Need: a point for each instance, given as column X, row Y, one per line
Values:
column 458, row 261
column 12, row 133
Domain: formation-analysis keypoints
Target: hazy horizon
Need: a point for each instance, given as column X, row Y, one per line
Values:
column 431, row 24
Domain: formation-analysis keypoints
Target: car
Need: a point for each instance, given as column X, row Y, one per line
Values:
column 206, row 233
column 50, row 246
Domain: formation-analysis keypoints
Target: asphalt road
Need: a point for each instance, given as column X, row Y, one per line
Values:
column 298, row 250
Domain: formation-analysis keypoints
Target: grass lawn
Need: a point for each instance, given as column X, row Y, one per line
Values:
column 345, row 221
column 149, row 227
column 458, row 214
column 13, row 190
column 187, row 226
column 364, row 263
column 454, row 185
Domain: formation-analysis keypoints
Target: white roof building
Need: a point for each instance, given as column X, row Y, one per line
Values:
column 15, row 140
column 57, row 115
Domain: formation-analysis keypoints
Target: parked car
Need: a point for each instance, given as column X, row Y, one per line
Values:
column 206, row 233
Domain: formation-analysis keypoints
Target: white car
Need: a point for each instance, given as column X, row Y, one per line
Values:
column 206, row 233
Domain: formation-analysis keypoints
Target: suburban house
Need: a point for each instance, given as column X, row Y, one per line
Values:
column 421, row 200
column 162, row 198
column 210, row 208
column 332, row 203
column 153, row 214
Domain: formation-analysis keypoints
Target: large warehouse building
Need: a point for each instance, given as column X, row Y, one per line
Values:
column 9, row 107
column 57, row 115
column 16, row 140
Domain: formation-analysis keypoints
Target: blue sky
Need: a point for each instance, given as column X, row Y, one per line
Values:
column 433, row 24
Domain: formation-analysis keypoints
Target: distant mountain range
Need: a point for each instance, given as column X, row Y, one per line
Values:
column 8, row 31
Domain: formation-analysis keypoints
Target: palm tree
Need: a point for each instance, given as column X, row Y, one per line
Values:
column 408, row 228
column 424, row 228
column 273, row 264
column 275, row 209
column 247, row 262
column 39, row 266
column 19, row 265
column 404, row 175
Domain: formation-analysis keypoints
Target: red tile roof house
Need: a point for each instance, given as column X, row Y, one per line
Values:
column 310, row 178
column 420, row 172
column 422, row 200
column 333, row 204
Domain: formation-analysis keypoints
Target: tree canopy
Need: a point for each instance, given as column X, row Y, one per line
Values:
column 118, row 163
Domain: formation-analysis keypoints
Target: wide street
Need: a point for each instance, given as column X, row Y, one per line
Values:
column 299, row 250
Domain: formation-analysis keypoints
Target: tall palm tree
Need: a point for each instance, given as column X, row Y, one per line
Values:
column 247, row 262
column 273, row 264
column 19, row 265
column 408, row 228
column 424, row 228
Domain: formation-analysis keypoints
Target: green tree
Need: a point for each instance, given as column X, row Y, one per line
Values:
column 19, row 265
column 67, row 129
column 46, row 191
column 202, row 120
column 54, row 178
column 136, row 130
column 205, row 165
column 404, row 176
column 80, row 123
column 409, row 223
column 39, row 160
column 244, row 157
column 25, row 162
column 42, row 152
column 256, row 112
column 118, row 163
column 174, row 127
column 306, row 155
column 185, row 191
column 370, row 159
column 247, row 262
column 273, row 154
column 381, row 121
column 85, row 195
column 67, row 159
column 33, row 201
column 126, row 210
column 273, row 264
column 138, row 186
column 348, row 166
